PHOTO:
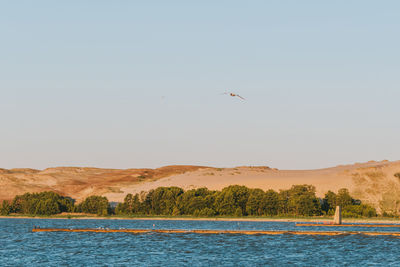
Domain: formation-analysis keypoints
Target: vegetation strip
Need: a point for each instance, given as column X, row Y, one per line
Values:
column 234, row 200
column 347, row 225
column 243, row 232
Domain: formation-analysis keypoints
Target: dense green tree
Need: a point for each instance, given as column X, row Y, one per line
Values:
column 329, row 202
column 192, row 200
column 131, row 205
column 238, row 212
column 66, row 204
column 5, row 208
column 95, row 205
column 20, row 203
column 43, row 203
column 358, row 211
column 303, row 201
column 206, row 212
column 47, row 207
column 231, row 198
column 283, row 202
column 343, row 198
column 271, row 203
column 162, row 200
column 256, row 202
column 120, row 209
column 225, row 203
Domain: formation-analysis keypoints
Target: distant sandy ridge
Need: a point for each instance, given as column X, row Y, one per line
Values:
column 372, row 182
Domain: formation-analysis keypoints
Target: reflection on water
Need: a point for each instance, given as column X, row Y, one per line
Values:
column 19, row 246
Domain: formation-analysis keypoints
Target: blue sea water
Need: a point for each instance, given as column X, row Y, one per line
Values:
column 20, row 247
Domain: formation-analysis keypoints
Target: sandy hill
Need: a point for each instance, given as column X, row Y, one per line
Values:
column 372, row 182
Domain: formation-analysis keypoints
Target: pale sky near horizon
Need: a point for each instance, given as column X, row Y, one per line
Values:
column 130, row 84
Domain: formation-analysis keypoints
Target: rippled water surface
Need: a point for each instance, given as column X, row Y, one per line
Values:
column 20, row 247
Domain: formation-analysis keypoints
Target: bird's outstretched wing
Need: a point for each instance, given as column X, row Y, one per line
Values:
column 233, row 95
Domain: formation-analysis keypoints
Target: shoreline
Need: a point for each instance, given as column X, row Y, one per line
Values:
column 346, row 220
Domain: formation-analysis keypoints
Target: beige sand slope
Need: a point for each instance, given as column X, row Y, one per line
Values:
column 372, row 182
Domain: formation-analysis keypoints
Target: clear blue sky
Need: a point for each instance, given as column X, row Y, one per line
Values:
column 81, row 83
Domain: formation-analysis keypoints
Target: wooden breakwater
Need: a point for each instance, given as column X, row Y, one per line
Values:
column 347, row 225
column 242, row 232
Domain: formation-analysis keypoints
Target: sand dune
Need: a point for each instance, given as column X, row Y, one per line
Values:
column 372, row 182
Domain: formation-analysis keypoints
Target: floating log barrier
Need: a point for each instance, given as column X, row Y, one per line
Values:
column 347, row 225
column 242, row 232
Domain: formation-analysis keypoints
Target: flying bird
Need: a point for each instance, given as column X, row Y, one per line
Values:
column 233, row 95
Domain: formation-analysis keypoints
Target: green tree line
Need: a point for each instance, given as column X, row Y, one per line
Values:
column 44, row 203
column 235, row 200
column 50, row 203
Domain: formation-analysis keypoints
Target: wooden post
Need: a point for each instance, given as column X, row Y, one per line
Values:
column 338, row 215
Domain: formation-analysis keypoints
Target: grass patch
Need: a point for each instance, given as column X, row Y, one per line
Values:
column 375, row 176
column 114, row 190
